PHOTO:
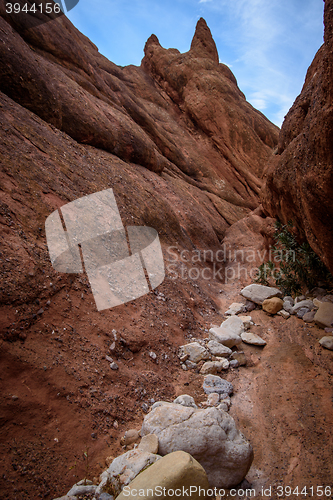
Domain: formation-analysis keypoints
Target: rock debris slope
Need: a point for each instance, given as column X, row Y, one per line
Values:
column 299, row 179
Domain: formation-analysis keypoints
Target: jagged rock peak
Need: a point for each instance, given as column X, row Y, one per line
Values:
column 203, row 42
column 152, row 40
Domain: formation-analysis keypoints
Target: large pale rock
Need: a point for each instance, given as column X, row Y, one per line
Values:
column 224, row 336
column 273, row 305
column 209, row 367
column 253, row 339
column 213, row 383
column 218, row 349
column 177, row 471
column 324, row 315
column 259, row 293
column 195, row 352
column 234, row 325
column 223, row 362
column 327, row 342
column 209, row 435
column 124, row 469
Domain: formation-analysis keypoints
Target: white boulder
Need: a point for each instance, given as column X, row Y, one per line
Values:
column 208, row 435
column 259, row 293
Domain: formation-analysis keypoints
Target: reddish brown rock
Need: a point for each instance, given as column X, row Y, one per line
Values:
column 299, row 179
column 75, row 123
column 203, row 43
column 186, row 116
column 183, row 152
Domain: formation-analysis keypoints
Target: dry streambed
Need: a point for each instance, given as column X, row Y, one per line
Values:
column 280, row 402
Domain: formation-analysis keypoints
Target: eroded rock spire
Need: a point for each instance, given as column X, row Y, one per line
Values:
column 203, row 43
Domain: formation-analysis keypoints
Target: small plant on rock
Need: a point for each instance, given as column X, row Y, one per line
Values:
column 299, row 266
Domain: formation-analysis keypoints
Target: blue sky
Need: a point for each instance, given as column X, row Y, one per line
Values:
column 268, row 44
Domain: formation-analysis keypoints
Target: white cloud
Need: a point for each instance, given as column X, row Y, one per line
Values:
column 258, row 103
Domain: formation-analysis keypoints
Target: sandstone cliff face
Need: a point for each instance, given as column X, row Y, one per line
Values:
column 299, row 183
column 174, row 138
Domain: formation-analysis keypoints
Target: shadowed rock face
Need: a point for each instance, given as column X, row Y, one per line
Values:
column 299, row 183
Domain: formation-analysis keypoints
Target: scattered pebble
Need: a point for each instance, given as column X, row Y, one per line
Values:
column 190, row 365
column 235, row 308
column 234, row 363
column 284, row 314
column 130, row 437
column 149, row 444
column 217, row 349
column 145, row 407
column 213, row 383
column 195, row 352
column 253, row 339
column 239, row 356
column 213, row 399
column 301, row 312
column 327, row 342
column 247, row 321
column 185, row 400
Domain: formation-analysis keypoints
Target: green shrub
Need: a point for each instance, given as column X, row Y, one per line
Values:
column 299, row 266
